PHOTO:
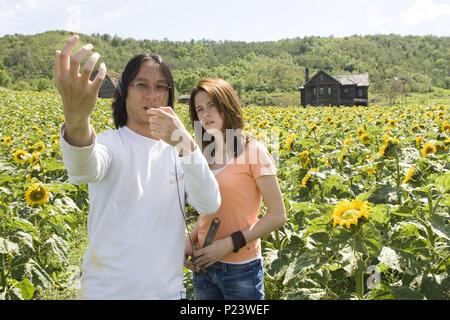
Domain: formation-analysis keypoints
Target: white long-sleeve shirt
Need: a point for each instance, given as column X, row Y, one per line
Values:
column 135, row 224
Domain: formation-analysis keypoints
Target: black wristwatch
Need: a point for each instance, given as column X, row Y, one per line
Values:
column 238, row 240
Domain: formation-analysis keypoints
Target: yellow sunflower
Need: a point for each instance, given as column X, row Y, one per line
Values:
column 347, row 141
column 370, row 171
column 55, row 139
column 304, row 158
column 288, row 142
column 445, row 126
column 392, row 123
column 342, row 154
column 34, row 158
column 387, row 146
column 7, row 140
column 361, row 130
column 21, row 156
column 325, row 161
column 305, row 180
column 419, row 140
column 347, row 213
column 427, row 149
column 364, row 138
column 36, row 194
column 308, row 176
column 39, row 146
column 410, row 174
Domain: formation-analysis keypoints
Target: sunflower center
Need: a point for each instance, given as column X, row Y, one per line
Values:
column 37, row 195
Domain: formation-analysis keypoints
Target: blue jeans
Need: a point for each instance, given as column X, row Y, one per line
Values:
column 225, row 281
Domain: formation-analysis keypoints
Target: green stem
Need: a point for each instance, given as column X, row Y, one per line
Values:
column 442, row 262
column 322, row 198
column 2, row 272
column 399, row 191
column 430, row 205
column 277, row 239
column 359, row 276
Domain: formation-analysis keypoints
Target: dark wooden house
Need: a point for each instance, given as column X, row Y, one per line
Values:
column 109, row 85
column 184, row 98
column 341, row 90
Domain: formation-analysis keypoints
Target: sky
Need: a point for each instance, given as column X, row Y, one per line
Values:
column 238, row 20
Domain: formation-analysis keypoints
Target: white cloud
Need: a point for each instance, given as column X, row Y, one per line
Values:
column 425, row 10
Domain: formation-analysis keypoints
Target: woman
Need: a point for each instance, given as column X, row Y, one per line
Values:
column 231, row 267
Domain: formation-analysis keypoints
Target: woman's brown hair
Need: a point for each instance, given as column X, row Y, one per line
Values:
column 229, row 106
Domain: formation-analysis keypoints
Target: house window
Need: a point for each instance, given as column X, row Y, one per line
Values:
column 321, row 77
column 329, row 91
column 321, row 91
column 346, row 91
column 360, row 92
column 314, row 92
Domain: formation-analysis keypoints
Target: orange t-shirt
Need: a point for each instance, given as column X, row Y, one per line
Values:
column 241, row 199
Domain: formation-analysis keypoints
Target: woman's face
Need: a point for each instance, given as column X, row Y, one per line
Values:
column 208, row 113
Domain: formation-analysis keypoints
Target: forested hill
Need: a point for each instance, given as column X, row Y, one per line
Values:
column 26, row 62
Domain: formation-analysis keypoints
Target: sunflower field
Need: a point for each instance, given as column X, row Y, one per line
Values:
column 366, row 189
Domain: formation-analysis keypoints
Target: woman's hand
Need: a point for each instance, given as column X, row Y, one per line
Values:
column 207, row 256
column 188, row 256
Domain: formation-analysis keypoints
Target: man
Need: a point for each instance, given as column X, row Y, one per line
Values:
column 137, row 177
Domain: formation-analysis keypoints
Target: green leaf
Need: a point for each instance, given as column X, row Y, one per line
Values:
column 14, row 294
column 390, row 259
column 402, row 211
column 349, row 259
column 24, row 238
column 443, row 183
column 407, row 293
column 335, row 186
column 24, row 225
column 307, row 294
column 380, row 213
column 278, row 262
column 27, row 289
column 384, row 193
column 58, row 247
column 430, row 288
column 299, row 267
column 383, row 293
column 37, row 274
column 372, row 238
column 5, row 191
column 8, row 247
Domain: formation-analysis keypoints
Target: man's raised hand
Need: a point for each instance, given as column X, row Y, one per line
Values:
column 77, row 91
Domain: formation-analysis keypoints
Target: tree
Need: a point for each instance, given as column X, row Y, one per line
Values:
column 5, row 79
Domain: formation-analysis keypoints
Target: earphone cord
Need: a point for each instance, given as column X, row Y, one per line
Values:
column 179, row 202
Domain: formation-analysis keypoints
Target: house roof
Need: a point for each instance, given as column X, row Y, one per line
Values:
column 361, row 80
column 358, row 79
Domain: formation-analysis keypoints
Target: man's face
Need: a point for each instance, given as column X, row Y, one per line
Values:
column 148, row 90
